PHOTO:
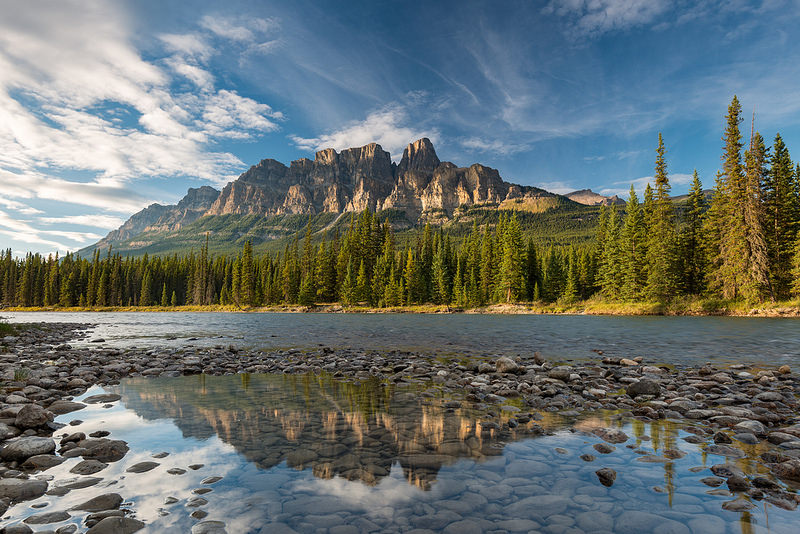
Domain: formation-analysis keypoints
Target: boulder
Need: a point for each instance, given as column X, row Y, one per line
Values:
column 607, row 476
column 32, row 416
column 21, row 449
column 108, row 501
column 116, row 525
column 645, row 386
column 505, row 364
column 18, row 489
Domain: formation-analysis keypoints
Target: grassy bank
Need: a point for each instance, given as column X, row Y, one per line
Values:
column 593, row 306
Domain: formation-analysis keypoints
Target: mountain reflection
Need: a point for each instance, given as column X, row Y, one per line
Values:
column 354, row 431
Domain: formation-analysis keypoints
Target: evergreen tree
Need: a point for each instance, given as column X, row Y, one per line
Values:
column 146, row 294
column 661, row 283
column 511, row 282
column 780, row 203
column 634, row 250
column 757, row 283
column 693, row 256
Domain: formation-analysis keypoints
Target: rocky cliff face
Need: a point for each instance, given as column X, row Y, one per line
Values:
column 421, row 186
column 166, row 218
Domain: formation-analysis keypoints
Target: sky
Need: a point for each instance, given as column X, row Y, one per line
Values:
column 107, row 107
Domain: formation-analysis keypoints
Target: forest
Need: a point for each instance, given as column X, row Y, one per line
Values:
column 742, row 245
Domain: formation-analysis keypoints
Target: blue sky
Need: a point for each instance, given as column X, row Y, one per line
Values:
column 106, row 107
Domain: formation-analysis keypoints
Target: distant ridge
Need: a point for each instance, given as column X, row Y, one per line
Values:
column 587, row 197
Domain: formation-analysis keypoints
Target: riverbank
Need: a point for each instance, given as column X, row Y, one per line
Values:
column 731, row 410
column 680, row 307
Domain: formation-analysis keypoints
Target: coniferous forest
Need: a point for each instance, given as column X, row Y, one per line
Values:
column 742, row 244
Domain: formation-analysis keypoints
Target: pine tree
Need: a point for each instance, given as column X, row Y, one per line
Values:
column 693, row 255
column 661, row 283
column 634, row 249
column 511, row 283
column 780, row 221
column 146, row 294
column 164, row 295
column 757, row 283
column 610, row 264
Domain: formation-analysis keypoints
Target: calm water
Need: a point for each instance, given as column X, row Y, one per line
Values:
column 658, row 339
column 308, row 454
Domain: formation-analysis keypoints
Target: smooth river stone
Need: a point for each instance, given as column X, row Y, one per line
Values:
column 142, row 467
column 23, row 448
column 18, row 489
column 46, row 518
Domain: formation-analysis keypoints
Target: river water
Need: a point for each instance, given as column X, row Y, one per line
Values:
column 274, row 453
column 678, row 340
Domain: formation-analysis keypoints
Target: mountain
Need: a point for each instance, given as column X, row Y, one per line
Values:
column 587, row 197
column 271, row 200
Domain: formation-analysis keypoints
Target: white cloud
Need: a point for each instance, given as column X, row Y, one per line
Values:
column 495, row 146
column 108, row 222
column 623, row 187
column 19, row 206
column 591, row 18
column 385, row 127
column 560, row 188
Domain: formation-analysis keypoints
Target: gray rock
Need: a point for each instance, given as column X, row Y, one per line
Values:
column 755, row 427
column 88, row 467
column 32, row 416
column 209, row 527
column 102, row 398
column 607, row 476
column 747, row 438
column 19, row 528
column 105, row 450
column 42, row 462
column 142, row 467
column 8, row 431
column 101, row 503
column 116, row 525
column 504, row 364
column 47, row 518
column 18, row 489
column 61, row 407
column 611, row 435
column 21, row 449
column 645, row 386
column 789, row 469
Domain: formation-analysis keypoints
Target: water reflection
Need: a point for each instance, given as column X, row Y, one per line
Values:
column 353, row 431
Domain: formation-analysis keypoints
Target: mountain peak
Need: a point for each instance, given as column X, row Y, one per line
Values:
column 419, row 156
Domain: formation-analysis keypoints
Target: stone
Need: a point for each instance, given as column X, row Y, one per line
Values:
column 747, row 438
column 101, row 503
column 604, row 448
column 209, row 527
column 645, row 386
column 738, row 505
column 504, row 364
column 607, row 476
column 88, row 467
column 790, row 469
column 61, row 407
column 752, row 426
column 784, row 370
column 21, row 449
column 116, row 525
column 19, row 528
column 42, row 462
column 560, row 373
column 32, row 416
column 738, row 483
column 105, row 450
column 47, row 518
column 102, row 398
column 142, row 467
column 17, row 489
column 611, row 435
column 627, row 362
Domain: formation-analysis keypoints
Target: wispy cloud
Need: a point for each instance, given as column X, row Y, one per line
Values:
column 108, row 222
column 592, row 18
column 387, row 126
column 494, row 146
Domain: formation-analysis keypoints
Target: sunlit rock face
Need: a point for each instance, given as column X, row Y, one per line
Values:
column 356, row 432
column 421, row 187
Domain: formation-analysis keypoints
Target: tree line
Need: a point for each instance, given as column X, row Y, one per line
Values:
column 743, row 244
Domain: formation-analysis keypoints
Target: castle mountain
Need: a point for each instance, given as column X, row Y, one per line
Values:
column 266, row 200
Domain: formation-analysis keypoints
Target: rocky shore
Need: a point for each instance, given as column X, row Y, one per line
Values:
column 724, row 408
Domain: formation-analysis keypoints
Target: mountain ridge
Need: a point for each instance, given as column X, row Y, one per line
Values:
column 420, row 188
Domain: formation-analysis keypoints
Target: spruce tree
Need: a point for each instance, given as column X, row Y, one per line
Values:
column 661, row 283
column 757, row 284
column 780, row 207
column 693, row 254
column 634, row 249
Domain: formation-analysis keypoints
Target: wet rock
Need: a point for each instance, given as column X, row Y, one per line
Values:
column 42, row 462
column 23, row 448
column 747, row 438
column 88, row 467
column 738, row 505
column 754, row 427
column 789, row 470
column 104, row 450
column 611, row 435
column 47, row 518
column 560, row 373
column 108, row 501
column 607, row 476
column 644, row 386
column 176, row 471
column 636, row 522
column 116, row 525
column 604, row 448
column 714, row 482
column 209, row 527
column 587, row 458
column 18, row 529
column 784, row 370
column 738, row 483
column 32, row 416
column 722, row 438
column 142, row 467
column 61, row 407
column 17, row 489
column 780, row 437
column 102, row 398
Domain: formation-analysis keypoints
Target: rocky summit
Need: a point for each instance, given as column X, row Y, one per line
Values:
column 421, row 188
